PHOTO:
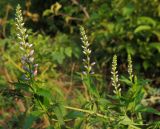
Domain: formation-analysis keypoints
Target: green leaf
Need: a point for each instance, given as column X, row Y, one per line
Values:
column 59, row 111
column 58, row 56
column 47, row 12
column 44, row 92
column 128, row 10
column 150, row 110
column 125, row 120
column 126, row 80
column 79, row 124
column 103, row 101
column 74, row 115
column 146, row 64
column 155, row 45
column 90, row 85
column 146, row 21
column 131, row 106
column 50, row 127
column 56, row 7
column 142, row 28
column 31, row 118
column 157, row 33
column 20, row 85
column 68, row 51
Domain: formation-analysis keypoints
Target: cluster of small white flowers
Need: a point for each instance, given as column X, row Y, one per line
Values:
column 115, row 81
column 130, row 69
column 27, row 59
column 87, row 52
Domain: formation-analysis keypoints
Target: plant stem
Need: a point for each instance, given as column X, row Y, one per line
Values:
column 41, row 105
column 89, row 112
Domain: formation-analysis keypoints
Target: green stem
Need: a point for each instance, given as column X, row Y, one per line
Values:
column 39, row 102
column 89, row 112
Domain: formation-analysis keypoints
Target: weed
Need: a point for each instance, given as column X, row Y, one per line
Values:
column 125, row 109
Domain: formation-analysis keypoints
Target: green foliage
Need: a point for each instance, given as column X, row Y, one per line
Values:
column 54, row 94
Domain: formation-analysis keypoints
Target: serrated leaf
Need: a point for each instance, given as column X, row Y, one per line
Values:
column 125, row 120
column 44, row 92
column 59, row 111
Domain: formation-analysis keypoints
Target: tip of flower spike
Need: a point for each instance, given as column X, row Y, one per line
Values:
column 114, row 77
column 81, row 28
column 18, row 7
column 87, row 52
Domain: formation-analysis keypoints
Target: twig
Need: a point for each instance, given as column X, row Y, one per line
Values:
column 82, row 8
column 70, row 17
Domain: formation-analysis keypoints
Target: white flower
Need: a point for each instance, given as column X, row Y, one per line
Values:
column 87, row 52
column 27, row 58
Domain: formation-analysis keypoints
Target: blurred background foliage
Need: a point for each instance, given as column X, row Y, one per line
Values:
column 113, row 27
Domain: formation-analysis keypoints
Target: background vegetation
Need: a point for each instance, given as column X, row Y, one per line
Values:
column 118, row 27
